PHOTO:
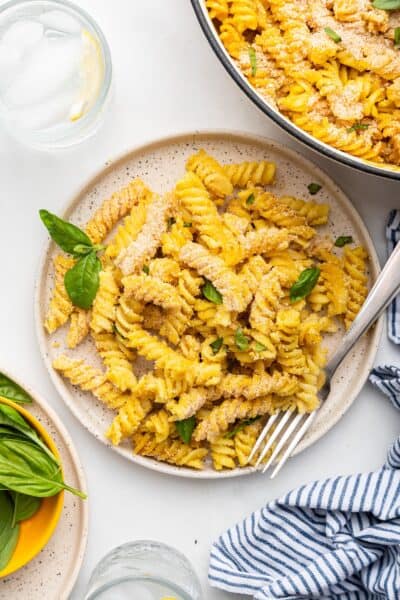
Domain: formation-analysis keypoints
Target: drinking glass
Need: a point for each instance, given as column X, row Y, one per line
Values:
column 144, row 570
column 55, row 72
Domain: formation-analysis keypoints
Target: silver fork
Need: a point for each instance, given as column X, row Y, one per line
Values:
column 290, row 426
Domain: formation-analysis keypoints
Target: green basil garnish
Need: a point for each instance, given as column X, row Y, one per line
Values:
column 250, row 200
column 305, row 283
column 82, row 281
column 313, row 188
column 211, row 293
column 358, row 127
column 386, row 4
column 240, row 426
column 187, row 224
column 12, row 391
column 66, row 235
column 253, row 60
column 259, row 347
column 185, row 428
column 146, row 269
column 343, row 240
column 216, row 345
column 241, row 340
column 333, row 35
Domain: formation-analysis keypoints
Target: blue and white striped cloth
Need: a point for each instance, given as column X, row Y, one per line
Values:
column 338, row 538
column 393, row 236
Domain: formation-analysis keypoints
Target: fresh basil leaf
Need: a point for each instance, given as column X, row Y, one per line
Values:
column 187, row 224
column 250, row 199
column 241, row 340
column 82, row 250
column 12, row 391
column 82, row 281
column 305, row 283
column 216, row 345
column 211, row 293
column 146, row 269
column 397, row 36
column 313, row 188
column 185, row 428
column 386, row 4
column 12, row 420
column 258, row 347
column 27, row 469
column 358, row 127
column 253, row 60
column 66, row 235
column 24, row 507
column 8, row 533
column 240, row 426
column 333, row 35
column 343, row 240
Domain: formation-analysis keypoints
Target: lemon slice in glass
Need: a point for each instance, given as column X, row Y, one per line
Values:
column 91, row 75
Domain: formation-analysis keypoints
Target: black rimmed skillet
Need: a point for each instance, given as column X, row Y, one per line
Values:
column 303, row 137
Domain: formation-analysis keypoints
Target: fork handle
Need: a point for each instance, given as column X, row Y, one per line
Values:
column 383, row 291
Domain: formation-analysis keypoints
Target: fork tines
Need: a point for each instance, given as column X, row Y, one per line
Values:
column 286, row 429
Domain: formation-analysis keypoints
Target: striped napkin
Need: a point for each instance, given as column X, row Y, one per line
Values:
column 338, row 538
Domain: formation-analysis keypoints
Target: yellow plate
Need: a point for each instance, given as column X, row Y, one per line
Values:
column 35, row 532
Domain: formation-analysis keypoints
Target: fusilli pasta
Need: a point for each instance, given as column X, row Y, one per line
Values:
column 331, row 67
column 198, row 333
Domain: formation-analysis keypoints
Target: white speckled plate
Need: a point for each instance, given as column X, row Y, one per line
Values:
column 53, row 572
column 160, row 164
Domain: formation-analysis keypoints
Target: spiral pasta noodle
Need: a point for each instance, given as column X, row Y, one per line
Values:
column 251, row 173
column 60, row 307
column 212, row 174
column 79, row 327
column 89, row 379
column 104, row 306
column 355, row 269
column 113, row 209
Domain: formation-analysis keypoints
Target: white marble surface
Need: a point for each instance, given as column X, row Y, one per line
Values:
column 167, row 80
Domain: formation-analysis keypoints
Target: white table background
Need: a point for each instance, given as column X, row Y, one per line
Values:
column 167, row 80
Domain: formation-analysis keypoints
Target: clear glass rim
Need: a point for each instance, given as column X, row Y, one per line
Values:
column 73, row 127
column 151, row 546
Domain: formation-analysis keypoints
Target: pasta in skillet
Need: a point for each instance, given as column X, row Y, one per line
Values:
column 202, row 321
column 331, row 66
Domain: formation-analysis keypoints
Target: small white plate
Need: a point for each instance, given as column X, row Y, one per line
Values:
column 53, row 572
column 160, row 164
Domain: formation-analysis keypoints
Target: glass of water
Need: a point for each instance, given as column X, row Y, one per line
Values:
column 55, row 72
column 144, row 570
